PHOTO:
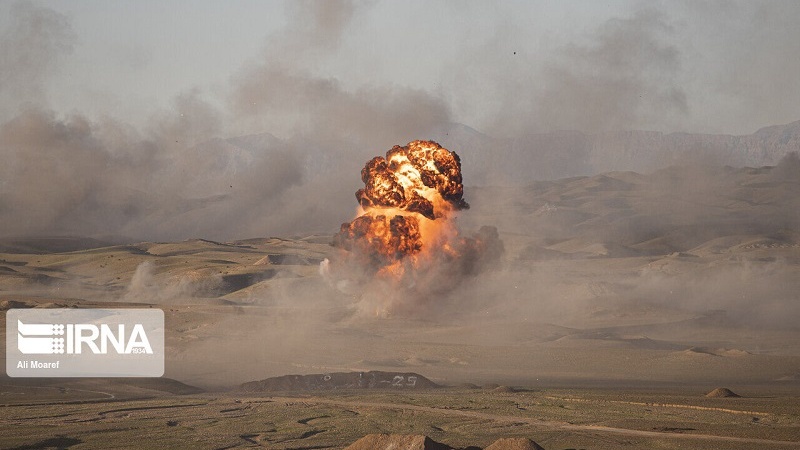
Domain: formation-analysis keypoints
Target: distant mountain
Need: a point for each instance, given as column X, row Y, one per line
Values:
column 488, row 160
column 642, row 151
column 559, row 154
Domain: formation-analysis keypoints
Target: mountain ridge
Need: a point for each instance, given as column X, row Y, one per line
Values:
column 564, row 153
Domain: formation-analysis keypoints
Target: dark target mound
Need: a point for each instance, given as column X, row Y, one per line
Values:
column 722, row 393
column 342, row 380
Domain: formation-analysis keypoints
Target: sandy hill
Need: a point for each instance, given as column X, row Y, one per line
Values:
column 514, row 444
column 421, row 442
column 69, row 390
column 623, row 214
column 397, row 441
column 722, row 393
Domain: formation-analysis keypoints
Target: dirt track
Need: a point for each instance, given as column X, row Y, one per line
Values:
column 536, row 422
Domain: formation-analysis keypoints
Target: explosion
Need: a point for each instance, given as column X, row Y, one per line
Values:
column 403, row 253
column 405, row 207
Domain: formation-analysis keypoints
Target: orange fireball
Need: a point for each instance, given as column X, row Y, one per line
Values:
column 406, row 205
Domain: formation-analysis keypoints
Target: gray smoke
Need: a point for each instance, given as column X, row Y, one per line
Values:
column 283, row 94
column 183, row 176
column 30, row 49
column 625, row 77
column 74, row 175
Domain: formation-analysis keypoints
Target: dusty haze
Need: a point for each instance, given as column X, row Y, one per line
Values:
column 209, row 167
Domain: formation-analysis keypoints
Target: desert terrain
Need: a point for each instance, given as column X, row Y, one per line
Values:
column 619, row 301
column 382, row 224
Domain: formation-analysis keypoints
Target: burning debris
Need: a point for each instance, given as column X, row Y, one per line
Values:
column 406, row 219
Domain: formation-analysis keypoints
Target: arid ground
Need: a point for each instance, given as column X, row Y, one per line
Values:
column 619, row 302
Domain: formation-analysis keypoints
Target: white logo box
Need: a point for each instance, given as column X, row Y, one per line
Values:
column 74, row 342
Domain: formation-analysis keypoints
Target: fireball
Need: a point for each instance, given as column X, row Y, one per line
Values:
column 406, row 207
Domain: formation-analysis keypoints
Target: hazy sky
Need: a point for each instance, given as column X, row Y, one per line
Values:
column 501, row 67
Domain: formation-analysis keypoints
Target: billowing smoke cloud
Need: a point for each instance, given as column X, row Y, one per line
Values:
column 296, row 102
column 283, row 93
column 624, row 78
column 335, row 126
column 70, row 174
column 30, row 49
column 694, row 67
column 624, row 74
